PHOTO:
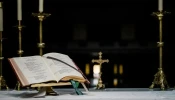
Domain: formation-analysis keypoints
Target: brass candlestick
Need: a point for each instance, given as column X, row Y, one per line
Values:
column 2, row 80
column 20, row 51
column 41, row 17
column 100, row 61
column 159, row 77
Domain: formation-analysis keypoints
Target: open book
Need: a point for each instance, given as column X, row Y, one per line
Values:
column 50, row 68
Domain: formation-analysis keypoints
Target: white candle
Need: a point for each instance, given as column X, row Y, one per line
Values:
column 41, row 3
column 19, row 9
column 1, row 17
column 160, row 5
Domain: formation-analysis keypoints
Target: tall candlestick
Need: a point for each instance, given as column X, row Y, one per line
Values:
column 41, row 3
column 19, row 9
column 1, row 17
column 160, row 5
column 2, row 80
column 159, row 77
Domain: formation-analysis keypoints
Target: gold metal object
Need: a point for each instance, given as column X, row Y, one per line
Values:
column 48, row 87
column 159, row 77
column 41, row 17
column 50, row 91
column 2, row 80
column 100, row 61
column 20, row 51
column 18, row 85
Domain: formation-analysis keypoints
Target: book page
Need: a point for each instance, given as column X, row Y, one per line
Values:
column 34, row 69
column 62, row 57
column 60, row 69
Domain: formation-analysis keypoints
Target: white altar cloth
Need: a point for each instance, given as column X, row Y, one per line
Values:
column 92, row 95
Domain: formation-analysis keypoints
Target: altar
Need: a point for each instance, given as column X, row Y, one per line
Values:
column 107, row 94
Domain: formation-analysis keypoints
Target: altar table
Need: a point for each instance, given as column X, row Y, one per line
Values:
column 108, row 94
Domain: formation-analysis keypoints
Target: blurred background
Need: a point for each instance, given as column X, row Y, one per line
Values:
column 123, row 30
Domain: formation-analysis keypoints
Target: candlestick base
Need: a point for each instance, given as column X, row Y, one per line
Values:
column 3, row 83
column 159, row 79
column 18, row 86
column 100, row 85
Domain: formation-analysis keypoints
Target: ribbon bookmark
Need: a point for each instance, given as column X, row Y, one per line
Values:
column 75, row 85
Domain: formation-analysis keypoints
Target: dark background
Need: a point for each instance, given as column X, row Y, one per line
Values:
column 103, row 21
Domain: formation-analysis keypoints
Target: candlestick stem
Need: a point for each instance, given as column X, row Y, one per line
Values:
column 2, row 80
column 20, row 51
column 159, row 77
column 41, row 44
column 1, row 57
column 41, row 17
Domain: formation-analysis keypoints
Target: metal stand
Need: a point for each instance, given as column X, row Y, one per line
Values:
column 159, row 77
column 2, row 80
column 20, row 51
column 41, row 16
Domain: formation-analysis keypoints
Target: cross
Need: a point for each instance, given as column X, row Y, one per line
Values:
column 100, row 85
column 100, row 60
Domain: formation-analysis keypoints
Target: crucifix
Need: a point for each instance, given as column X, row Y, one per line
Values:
column 100, row 61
